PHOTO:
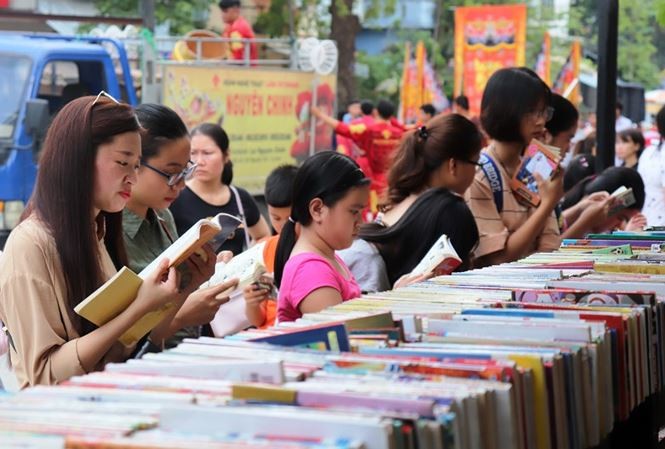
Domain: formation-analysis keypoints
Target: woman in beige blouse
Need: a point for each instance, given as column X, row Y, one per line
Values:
column 70, row 242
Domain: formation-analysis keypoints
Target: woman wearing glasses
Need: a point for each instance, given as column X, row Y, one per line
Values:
column 148, row 225
column 209, row 191
column 433, row 167
column 70, row 242
column 514, row 109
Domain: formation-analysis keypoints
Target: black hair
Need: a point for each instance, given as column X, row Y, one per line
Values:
column 510, row 94
column 386, row 109
column 279, row 186
column 354, row 101
column 608, row 181
column 327, row 175
column 580, row 167
column 448, row 137
column 633, row 135
column 462, row 101
column 565, row 115
column 619, row 105
column 367, row 107
column 221, row 139
column 161, row 125
column 435, row 212
column 224, row 4
column 428, row 109
column 586, row 145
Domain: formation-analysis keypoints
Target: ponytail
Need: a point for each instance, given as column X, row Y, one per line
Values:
column 424, row 150
column 287, row 240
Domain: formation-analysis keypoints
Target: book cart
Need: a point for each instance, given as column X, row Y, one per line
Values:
column 560, row 350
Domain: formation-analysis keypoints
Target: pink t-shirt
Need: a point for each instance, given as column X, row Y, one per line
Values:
column 305, row 273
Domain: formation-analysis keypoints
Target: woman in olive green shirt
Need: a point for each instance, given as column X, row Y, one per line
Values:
column 148, row 225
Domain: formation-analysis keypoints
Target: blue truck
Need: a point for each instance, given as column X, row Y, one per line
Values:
column 38, row 75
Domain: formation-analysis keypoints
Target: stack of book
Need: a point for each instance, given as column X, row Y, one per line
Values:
column 549, row 352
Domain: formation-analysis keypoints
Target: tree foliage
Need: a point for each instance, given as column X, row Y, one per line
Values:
column 637, row 39
column 182, row 15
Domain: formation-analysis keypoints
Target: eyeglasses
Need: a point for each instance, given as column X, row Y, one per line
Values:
column 469, row 161
column 103, row 93
column 174, row 179
column 546, row 113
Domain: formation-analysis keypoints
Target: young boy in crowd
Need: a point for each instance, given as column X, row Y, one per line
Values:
column 260, row 308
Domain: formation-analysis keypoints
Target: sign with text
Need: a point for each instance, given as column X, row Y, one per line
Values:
column 264, row 112
column 487, row 38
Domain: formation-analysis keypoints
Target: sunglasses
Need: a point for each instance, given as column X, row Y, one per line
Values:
column 103, row 93
column 174, row 179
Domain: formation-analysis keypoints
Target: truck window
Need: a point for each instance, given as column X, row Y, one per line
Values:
column 14, row 77
column 64, row 81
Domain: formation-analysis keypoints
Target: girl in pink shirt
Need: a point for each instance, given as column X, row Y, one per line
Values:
column 329, row 194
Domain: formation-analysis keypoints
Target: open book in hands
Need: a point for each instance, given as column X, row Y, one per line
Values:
column 622, row 198
column 538, row 159
column 248, row 267
column 440, row 259
column 109, row 300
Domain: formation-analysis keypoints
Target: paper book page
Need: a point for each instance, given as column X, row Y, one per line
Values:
column 109, row 300
column 437, row 255
column 247, row 267
column 190, row 242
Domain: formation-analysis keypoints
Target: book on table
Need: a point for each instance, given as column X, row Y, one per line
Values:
column 116, row 294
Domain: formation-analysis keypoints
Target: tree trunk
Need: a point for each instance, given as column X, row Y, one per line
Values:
column 343, row 30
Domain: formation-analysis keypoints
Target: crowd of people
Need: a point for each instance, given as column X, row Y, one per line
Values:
column 117, row 185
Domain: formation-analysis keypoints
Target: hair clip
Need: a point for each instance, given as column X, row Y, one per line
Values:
column 292, row 220
column 423, row 133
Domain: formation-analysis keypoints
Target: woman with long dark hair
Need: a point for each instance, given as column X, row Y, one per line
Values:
column 70, row 242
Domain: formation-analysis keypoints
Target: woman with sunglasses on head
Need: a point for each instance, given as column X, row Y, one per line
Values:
column 514, row 109
column 209, row 191
column 148, row 225
column 70, row 242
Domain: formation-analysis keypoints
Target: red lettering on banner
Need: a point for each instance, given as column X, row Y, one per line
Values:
column 280, row 105
column 244, row 104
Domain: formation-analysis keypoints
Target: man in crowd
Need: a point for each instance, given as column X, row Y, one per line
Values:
column 237, row 27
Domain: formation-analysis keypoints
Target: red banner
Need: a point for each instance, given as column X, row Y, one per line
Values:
column 543, row 61
column 567, row 82
column 487, row 38
column 4, row 3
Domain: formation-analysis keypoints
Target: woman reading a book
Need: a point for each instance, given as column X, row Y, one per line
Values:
column 514, row 109
column 329, row 194
column 210, row 192
column 148, row 226
column 433, row 167
column 70, row 242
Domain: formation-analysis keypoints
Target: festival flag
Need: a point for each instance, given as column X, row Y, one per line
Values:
column 543, row 60
column 420, row 85
column 567, row 81
column 487, row 38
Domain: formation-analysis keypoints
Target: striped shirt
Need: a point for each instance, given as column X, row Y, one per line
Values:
column 494, row 227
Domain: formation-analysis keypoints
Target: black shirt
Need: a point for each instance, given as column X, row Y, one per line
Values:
column 190, row 208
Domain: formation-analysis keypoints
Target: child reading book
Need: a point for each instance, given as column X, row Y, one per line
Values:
column 329, row 194
column 514, row 109
column 70, row 242
column 260, row 308
column 148, row 226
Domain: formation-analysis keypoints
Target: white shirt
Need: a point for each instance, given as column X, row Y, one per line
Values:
column 367, row 266
column 652, row 169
